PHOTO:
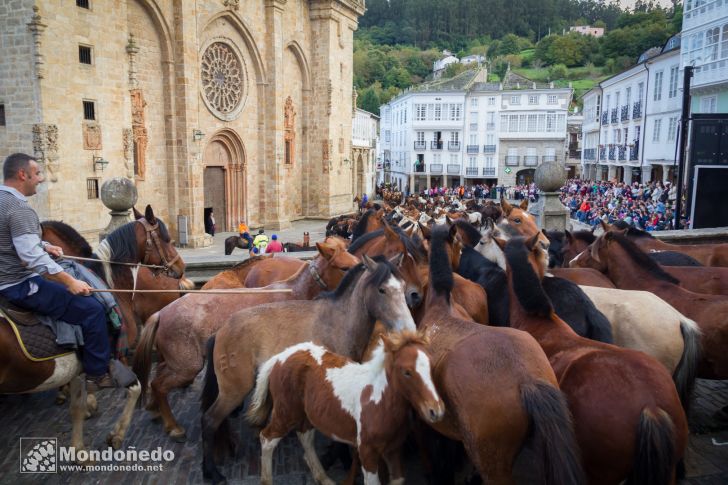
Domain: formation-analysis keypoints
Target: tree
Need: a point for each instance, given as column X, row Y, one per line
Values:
column 369, row 101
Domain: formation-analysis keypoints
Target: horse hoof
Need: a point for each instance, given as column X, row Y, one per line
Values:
column 114, row 441
column 178, row 435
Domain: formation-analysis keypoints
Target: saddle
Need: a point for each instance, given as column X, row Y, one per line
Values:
column 36, row 340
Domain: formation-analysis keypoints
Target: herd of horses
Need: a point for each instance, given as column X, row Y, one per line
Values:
column 457, row 324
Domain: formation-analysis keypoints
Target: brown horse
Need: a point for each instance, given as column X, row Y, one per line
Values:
column 707, row 254
column 497, row 384
column 516, row 221
column 180, row 330
column 365, row 405
column 629, row 421
column 341, row 321
column 583, row 276
column 235, row 276
column 370, row 221
column 631, row 269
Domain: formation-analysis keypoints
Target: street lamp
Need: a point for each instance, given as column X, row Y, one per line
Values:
column 99, row 163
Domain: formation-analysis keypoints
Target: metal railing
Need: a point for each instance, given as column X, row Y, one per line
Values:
column 637, row 110
column 419, row 167
column 605, row 117
column 453, row 146
column 512, row 160
column 489, row 172
column 634, row 152
column 612, row 152
column 435, row 168
column 436, row 145
column 451, row 168
column 490, row 126
column 602, row 153
column 471, row 171
column 473, row 148
column 590, row 154
column 624, row 115
column 420, row 145
column 530, row 160
column 622, row 152
column 613, row 116
column 488, row 148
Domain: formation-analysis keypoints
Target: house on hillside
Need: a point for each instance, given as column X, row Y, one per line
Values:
column 439, row 66
column 587, row 30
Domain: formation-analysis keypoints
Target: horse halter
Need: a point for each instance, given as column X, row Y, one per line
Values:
column 315, row 275
column 153, row 241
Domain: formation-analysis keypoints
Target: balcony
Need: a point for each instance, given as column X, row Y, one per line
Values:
column 624, row 115
column 634, row 151
column 622, row 152
column 488, row 148
column 471, row 171
column 549, row 158
column 490, row 126
column 590, row 154
column 473, row 148
column 613, row 116
column 602, row 153
column 436, row 145
column 712, row 72
column 420, row 145
column 419, row 167
column 453, row 169
column 435, row 168
column 605, row 117
column 489, row 172
column 530, row 160
column 453, row 146
column 512, row 160
column 612, row 152
column 637, row 110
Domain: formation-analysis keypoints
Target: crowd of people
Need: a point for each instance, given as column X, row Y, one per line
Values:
column 648, row 206
column 485, row 191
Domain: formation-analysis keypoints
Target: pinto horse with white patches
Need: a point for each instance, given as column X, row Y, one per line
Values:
column 365, row 405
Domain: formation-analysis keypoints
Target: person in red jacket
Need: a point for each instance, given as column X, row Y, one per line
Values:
column 274, row 246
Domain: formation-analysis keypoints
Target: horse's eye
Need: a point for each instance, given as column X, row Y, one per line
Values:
column 407, row 374
column 517, row 220
column 381, row 290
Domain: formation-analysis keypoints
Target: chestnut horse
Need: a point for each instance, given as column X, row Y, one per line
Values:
column 497, row 384
column 341, row 321
column 365, row 405
column 180, row 330
column 631, row 269
column 628, row 418
column 516, row 221
column 707, row 254
column 370, row 221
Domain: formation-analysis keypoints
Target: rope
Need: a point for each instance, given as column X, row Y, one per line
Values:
column 95, row 260
column 233, row 291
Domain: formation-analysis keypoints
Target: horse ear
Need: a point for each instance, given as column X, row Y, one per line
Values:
column 410, row 231
column 605, row 227
column 397, row 260
column 524, row 204
column 532, row 241
column 369, row 263
column 569, row 236
column 595, row 251
column 426, row 232
column 507, row 208
column 149, row 215
column 389, row 233
column 325, row 250
column 379, row 214
column 137, row 215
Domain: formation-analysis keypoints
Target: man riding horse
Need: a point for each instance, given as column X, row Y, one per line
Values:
column 30, row 279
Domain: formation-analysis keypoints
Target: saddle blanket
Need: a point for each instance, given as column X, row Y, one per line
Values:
column 37, row 341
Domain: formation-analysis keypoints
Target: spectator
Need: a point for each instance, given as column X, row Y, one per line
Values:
column 274, row 246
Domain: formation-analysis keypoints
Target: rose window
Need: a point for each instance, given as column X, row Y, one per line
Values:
column 222, row 79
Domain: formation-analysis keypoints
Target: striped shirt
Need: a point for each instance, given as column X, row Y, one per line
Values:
column 21, row 253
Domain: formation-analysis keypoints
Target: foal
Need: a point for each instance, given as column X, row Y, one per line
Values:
column 365, row 405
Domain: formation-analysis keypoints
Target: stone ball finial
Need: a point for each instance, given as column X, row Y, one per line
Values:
column 550, row 176
column 119, row 194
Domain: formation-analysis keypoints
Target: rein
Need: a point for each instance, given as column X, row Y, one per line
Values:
column 96, row 260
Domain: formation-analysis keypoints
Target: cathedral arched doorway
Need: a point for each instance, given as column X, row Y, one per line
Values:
column 358, row 182
column 224, row 180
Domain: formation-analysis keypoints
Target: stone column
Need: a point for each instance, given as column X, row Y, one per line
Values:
column 118, row 194
column 627, row 174
column 612, row 174
column 550, row 213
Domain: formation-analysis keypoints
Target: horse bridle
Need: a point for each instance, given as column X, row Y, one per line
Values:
column 153, row 241
column 315, row 275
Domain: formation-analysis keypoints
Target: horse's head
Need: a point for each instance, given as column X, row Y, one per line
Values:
column 155, row 244
column 573, row 244
column 384, row 294
column 517, row 222
column 595, row 255
column 410, row 372
column 489, row 248
column 337, row 261
column 413, row 258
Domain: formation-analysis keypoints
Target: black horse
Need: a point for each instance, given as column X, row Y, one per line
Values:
column 235, row 242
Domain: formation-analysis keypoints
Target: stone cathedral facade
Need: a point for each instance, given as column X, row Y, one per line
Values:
column 242, row 106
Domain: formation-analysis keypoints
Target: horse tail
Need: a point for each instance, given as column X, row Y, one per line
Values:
column 210, row 389
column 259, row 408
column 143, row 355
column 552, row 432
column 686, row 370
column 654, row 459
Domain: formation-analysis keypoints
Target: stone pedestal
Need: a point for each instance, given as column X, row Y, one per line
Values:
column 549, row 212
column 118, row 194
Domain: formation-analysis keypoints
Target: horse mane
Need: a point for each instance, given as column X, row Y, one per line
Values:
column 245, row 263
column 358, row 243
column 472, row 233
column 631, row 230
column 123, row 244
column 584, row 235
column 642, row 259
column 384, row 270
column 441, row 278
column 406, row 337
column 413, row 245
column 526, row 284
column 70, row 235
column 361, row 225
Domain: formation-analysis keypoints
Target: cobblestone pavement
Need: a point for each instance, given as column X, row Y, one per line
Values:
column 38, row 416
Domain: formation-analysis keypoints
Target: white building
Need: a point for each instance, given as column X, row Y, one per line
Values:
column 466, row 131
column 705, row 46
column 631, row 120
column 439, row 66
column 662, row 109
column 364, row 140
column 587, row 30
